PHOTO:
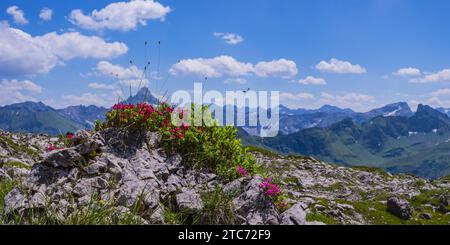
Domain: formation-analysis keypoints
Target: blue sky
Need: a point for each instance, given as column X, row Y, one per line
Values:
column 356, row 54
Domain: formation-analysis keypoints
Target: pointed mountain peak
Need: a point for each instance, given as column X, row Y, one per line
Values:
column 395, row 109
column 425, row 109
column 427, row 119
column 30, row 105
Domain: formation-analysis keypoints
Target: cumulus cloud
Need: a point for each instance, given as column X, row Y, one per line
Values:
column 17, row 14
column 212, row 67
column 122, row 16
column 238, row 80
column 406, row 72
column 310, row 80
column 73, row 45
column 23, row 54
column 441, row 76
column 276, row 68
column 228, row 66
column 14, row 91
column 229, row 38
column 100, row 86
column 356, row 101
column 126, row 76
column 441, row 92
column 339, row 66
column 431, row 101
column 118, row 71
column 46, row 14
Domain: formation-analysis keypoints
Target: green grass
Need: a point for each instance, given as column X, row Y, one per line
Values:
column 97, row 212
column 316, row 216
column 172, row 217
column 375, row 170
column 18, row 148
column 261, row 150
column 5, row 187
column 218, row 208
column 16, row 164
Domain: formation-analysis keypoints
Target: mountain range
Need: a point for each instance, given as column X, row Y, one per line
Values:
column 391, row 137
column 294, row 120
column 417, row 144
column 36, row 117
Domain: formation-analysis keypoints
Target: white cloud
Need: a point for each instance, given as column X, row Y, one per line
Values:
column 17, row 14
column 228, row 66
column 73, row 45
column 23, row 54
column 100, row 86
column 111, row 70
column 441, row 76
column 339, row 66
column 355, row 101
column 46, row 14
column 441, row 92
column 235, row 80
column 212, row 67
column 298, row 96
column 431, row 101
column 229, row 38
column 122, row 16
column 276, row 68
column 313, row 81
column 126, row 76
column 409, row 71
column 13, row 91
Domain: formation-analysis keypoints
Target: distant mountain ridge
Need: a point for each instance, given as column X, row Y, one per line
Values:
column 84, row 115
column 36, row 117
column 294, row 120
column 419, row 144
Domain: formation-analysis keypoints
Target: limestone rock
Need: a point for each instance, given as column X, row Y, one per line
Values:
column 189, row 200
column 296, row 215
column 399, row 207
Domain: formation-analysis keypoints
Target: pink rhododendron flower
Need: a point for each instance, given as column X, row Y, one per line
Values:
column 270, row 189
column 242, row 171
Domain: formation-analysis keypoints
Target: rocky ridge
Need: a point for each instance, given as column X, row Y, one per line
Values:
column 128, row 173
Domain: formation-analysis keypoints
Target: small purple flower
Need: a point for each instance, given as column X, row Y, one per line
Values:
column 242, row 171
column 270, row 189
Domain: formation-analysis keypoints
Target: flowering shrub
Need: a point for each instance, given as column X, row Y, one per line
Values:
column 274, row 191
column 270, row 189
column 210, row 148
column 69, row 135
column 241, row 171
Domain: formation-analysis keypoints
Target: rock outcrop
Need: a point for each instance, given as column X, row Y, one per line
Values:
column 399, row 207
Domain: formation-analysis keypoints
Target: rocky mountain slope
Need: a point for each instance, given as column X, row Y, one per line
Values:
column 84, row 115
column 35, row 117
column 418, row 144
column 119, row 176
